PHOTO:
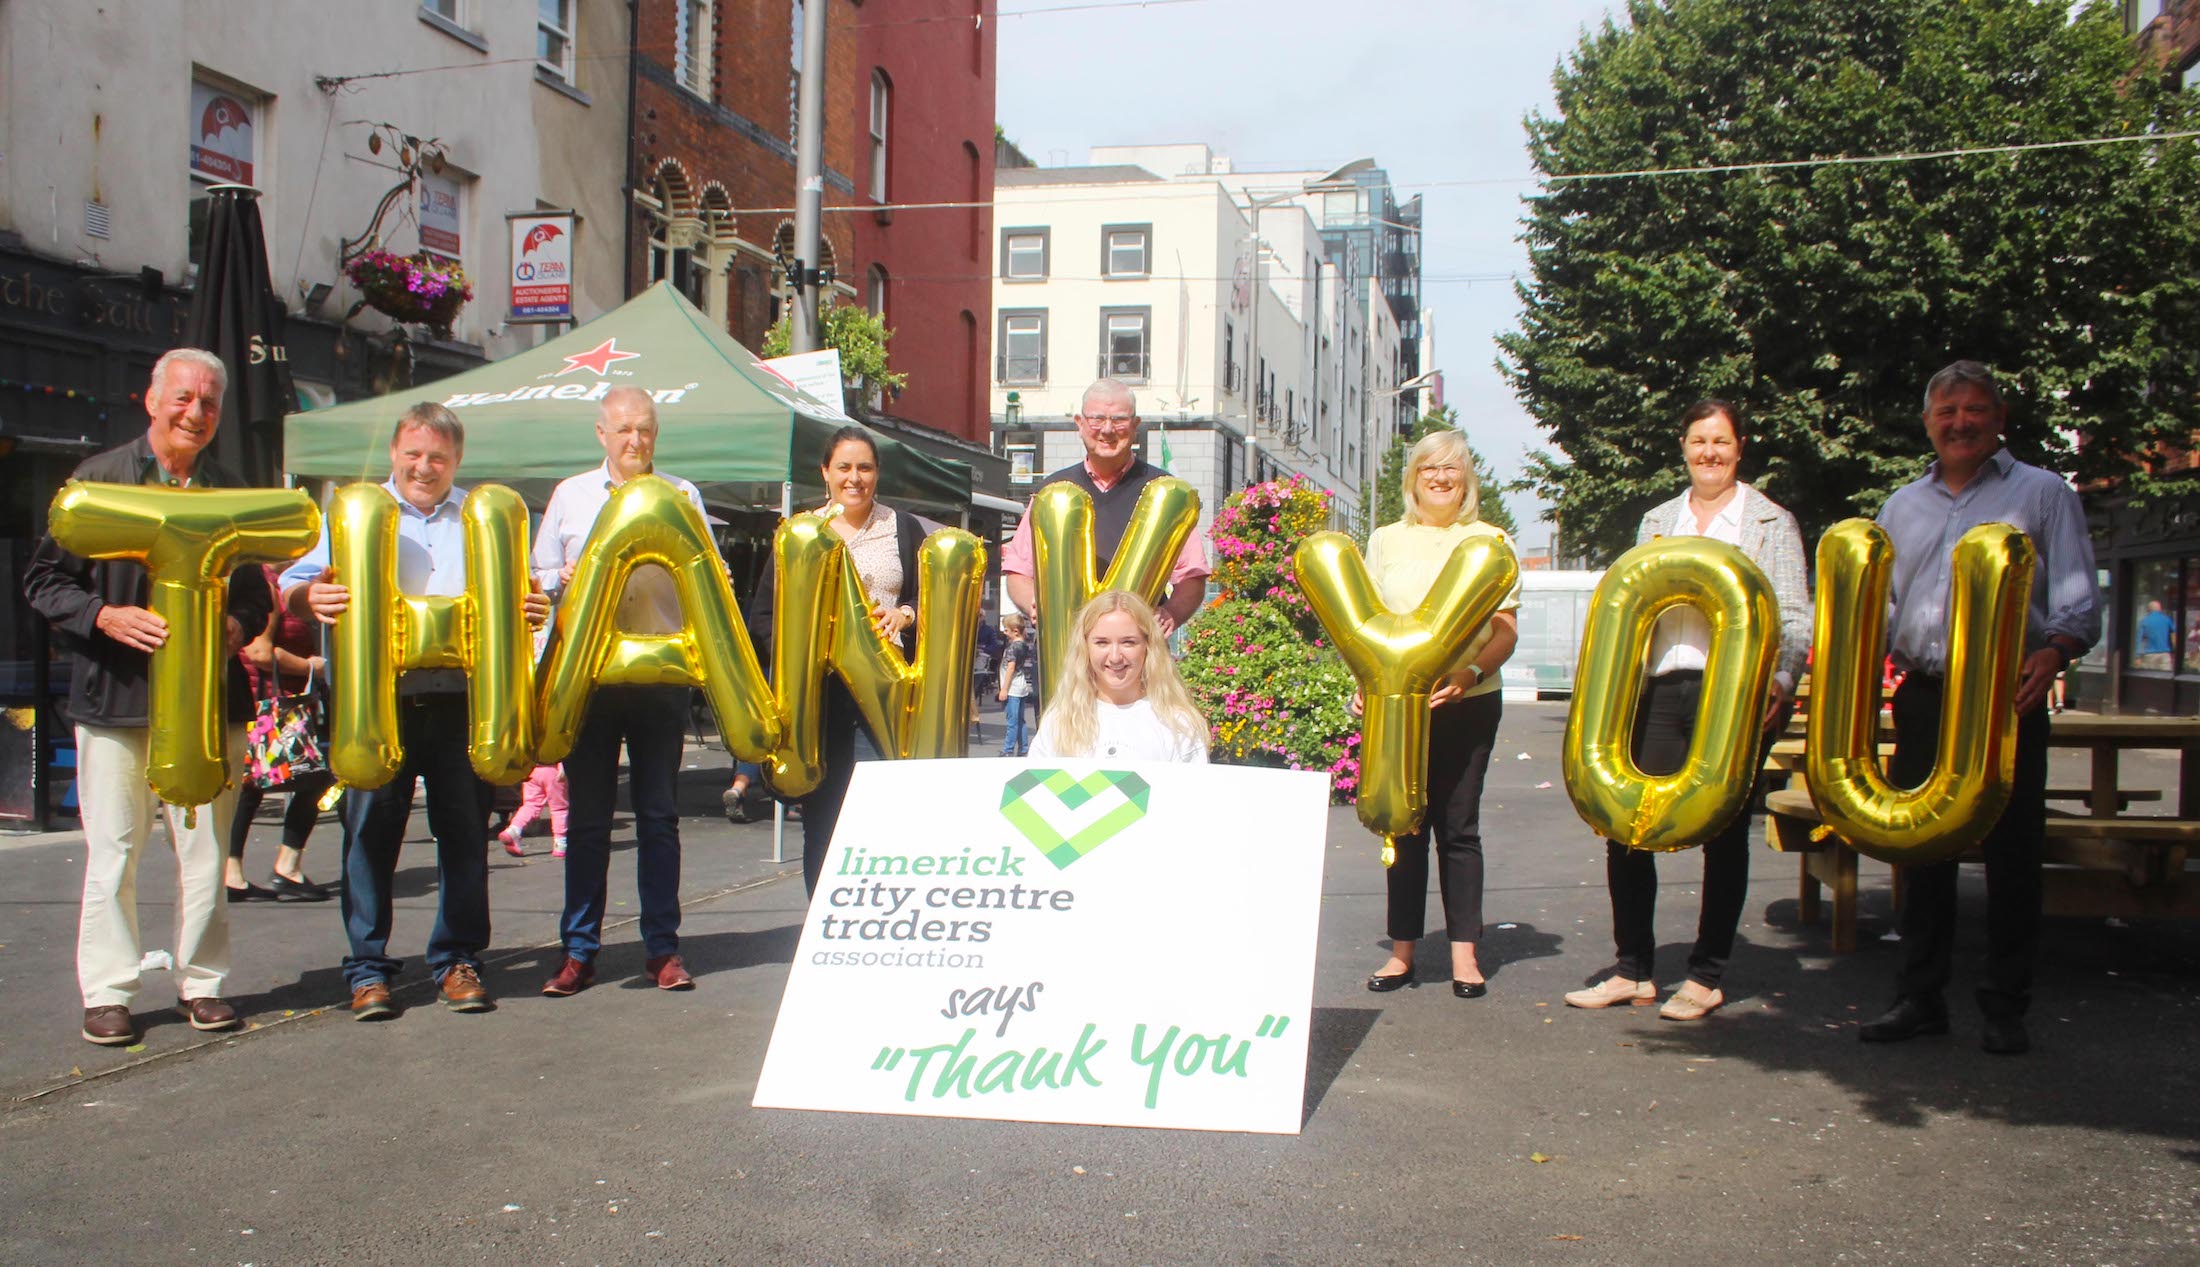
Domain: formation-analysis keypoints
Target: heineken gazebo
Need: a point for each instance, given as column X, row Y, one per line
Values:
column 736, row 429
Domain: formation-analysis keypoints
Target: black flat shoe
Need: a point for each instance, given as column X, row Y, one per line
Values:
column 1381, row 984
column 286, row 889
column 249, row 893
column 1469, row 989
column 1907, row 1019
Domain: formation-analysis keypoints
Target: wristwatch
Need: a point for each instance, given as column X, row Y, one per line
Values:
column 1476, row 670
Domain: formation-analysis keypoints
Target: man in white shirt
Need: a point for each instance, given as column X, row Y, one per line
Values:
column 425, row 452
column 649, row 720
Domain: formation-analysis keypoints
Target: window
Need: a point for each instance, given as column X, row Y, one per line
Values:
column 1123, row 334
column 223, row 127
column 1123, row 250
column 882, row 97
column 875, row 299
column 1229, row 355
column 554, row 37
column 1023, row 343
column 977, row 200
column 1023, row 255
column 691, row 46
column 448, row 10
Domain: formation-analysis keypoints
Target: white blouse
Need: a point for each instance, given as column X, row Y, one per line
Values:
column 1127, row 732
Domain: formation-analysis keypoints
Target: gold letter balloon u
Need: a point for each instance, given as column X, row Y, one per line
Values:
column 1974, row 758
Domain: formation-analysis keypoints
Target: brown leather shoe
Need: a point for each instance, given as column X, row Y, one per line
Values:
column 371, row 1002
column 573, row 977
column 207, row 1014
column 668, row 972
column 109, row 1026
column 462, row 990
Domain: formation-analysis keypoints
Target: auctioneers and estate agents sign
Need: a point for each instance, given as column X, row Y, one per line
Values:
column 1038, row 942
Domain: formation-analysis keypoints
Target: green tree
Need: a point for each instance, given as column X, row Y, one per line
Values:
column 859, row 334
column 1822, row 297
column 1390, row 498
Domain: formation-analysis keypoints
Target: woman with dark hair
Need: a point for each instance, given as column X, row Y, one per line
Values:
column 284, row 660
column 882, row 548
column 1717, row 505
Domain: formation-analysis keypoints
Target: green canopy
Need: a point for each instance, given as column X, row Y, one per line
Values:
column 725, row 421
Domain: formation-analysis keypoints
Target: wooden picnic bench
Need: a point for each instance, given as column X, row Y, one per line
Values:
column 2102, row 862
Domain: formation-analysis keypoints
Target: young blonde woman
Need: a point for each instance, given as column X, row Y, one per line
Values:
column 1442, row 509
column 1122, row 699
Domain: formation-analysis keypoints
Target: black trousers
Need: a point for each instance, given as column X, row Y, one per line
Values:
column 299, row 816
column 1665, row 720
column 1461, row 735
column 821, row 808
column 2012, row 851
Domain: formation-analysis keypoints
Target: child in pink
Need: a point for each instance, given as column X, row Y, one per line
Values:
column 545, row 788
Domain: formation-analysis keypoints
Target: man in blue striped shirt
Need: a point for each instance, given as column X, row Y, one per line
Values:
column 1976, row 481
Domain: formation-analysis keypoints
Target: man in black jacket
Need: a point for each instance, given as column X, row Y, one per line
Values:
column 99, row 611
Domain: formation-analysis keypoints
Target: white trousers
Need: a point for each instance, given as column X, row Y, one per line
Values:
column 119, row 809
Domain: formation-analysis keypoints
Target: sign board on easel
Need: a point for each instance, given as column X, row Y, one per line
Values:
column 1035, row 942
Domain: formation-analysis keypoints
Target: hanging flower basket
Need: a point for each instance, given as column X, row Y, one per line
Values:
column 411, row 288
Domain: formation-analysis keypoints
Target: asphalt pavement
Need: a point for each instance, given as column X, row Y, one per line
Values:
column 615, row 1126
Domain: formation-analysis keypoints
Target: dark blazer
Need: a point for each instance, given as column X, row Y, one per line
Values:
column 908, row 536
column 107, row 681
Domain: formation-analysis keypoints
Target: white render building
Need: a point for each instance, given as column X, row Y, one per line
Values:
column 1141, row 267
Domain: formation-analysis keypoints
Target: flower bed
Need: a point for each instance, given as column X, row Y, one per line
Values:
column 411, row 288
column 1273, row 690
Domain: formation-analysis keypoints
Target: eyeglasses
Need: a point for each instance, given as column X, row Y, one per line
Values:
column 1105, row 422
column 1453, row 471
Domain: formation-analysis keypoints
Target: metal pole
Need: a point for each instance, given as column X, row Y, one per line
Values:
column 809, row 178
column 779, row 807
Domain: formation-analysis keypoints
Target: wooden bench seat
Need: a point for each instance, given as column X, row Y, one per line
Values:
column 2095, row 866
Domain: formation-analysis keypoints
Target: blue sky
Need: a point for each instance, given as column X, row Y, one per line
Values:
column 1433, row 90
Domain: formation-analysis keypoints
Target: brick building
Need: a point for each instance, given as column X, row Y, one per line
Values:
column 908, row 118
column 926, row 73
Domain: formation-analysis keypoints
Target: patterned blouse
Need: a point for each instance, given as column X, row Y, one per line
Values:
column 876, row 553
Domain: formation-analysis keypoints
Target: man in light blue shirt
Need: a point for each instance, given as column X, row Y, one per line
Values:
column 648, row 721
column 1976, row 481
column 425, row 451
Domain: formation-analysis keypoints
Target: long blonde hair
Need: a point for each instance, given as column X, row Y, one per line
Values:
column 1438, row 448
column 1074, row 712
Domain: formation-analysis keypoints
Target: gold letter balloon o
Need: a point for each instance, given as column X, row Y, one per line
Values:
column 1686, row 807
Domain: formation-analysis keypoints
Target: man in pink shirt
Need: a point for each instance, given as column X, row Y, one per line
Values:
column 1113, row 475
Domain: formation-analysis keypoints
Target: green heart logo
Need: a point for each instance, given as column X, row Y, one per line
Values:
column 1019, row 793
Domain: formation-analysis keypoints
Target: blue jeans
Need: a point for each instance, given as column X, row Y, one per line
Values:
column 1017, row 741
column 433, row 730
column 652, row 722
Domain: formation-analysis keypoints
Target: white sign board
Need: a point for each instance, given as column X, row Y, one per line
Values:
column 542, row 265
column 440, row 229
column 1033, row 941
column 816, row 375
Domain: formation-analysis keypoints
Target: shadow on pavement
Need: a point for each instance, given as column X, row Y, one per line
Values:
column 1796, row 1009
column 707, row 953
column 1336, row 1034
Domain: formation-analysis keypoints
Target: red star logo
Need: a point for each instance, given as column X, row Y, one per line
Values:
column 598, row 359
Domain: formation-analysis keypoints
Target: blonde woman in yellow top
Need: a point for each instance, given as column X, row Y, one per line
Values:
column 1442, row 509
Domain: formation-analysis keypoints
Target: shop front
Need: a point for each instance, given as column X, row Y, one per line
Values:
column 2148, row 659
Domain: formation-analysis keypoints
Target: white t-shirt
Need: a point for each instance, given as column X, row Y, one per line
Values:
column 1682, row 637
column 1127, row 732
